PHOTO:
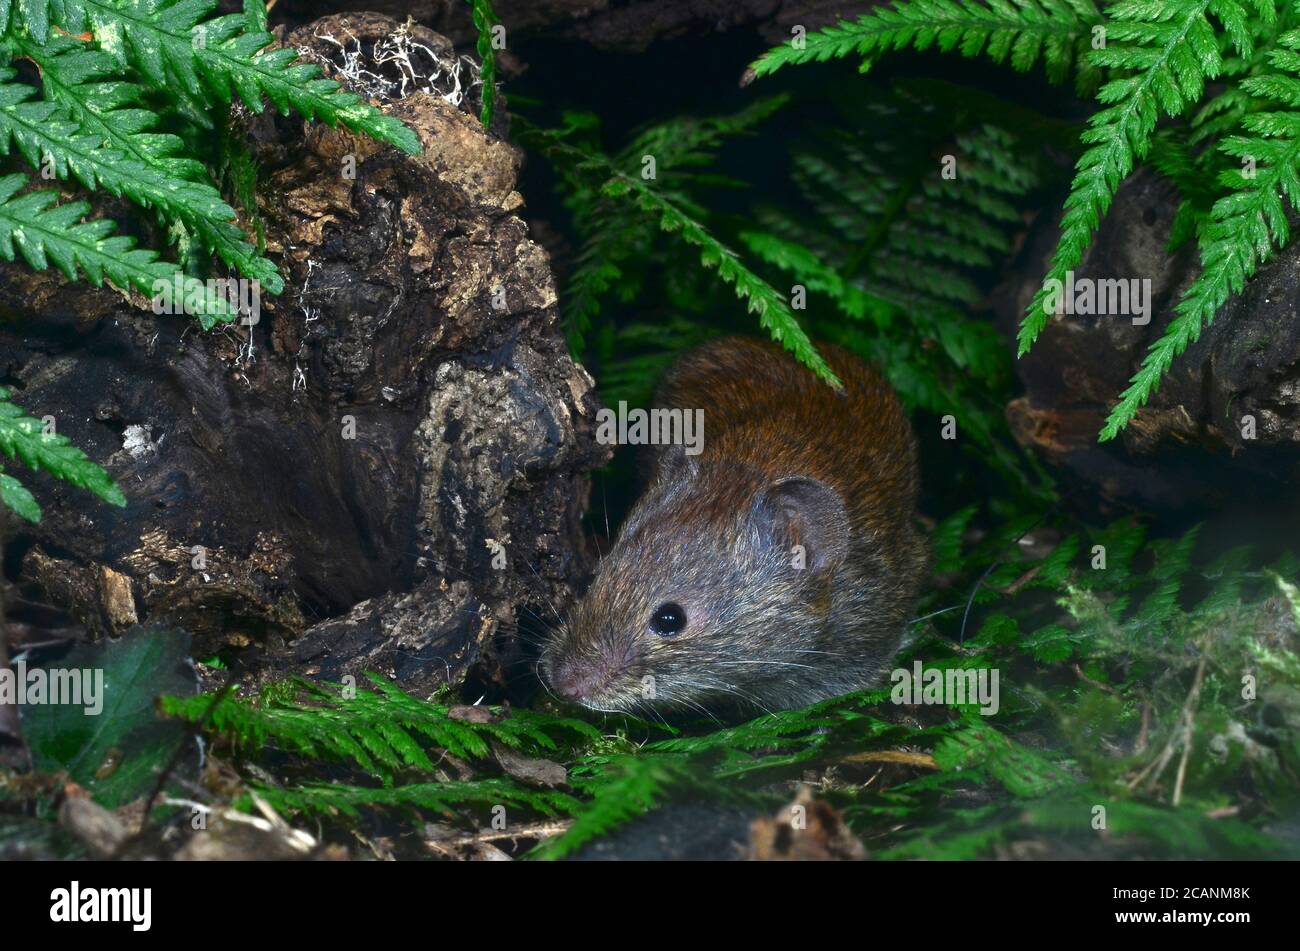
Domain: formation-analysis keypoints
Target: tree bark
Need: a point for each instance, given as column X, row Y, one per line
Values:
column 385, row 472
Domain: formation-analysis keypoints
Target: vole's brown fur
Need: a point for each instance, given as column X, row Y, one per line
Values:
column 789, row 542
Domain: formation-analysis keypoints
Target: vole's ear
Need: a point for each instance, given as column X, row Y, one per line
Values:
column 809, row 514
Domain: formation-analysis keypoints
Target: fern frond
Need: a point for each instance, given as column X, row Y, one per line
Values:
column 237, row 167
column 894, row 240
column 45, row 133
column 484, row 21
column 175, row 47
column 22, row 437
column 774, row 314
column 639, row 353
column 616, row 233
column 1172, row 564
column 81, row 79
column 46, row 233
column 381, row 731
column 689, row 141
column 15, row 496
column 761, row 298
column 598, row 268
column 335, row 798
column 1019, row 32
column 629, row 787
column 815, row 273
column 1021, row 771
column 1245, row 227
column 1172, row 52
column 1223, row 112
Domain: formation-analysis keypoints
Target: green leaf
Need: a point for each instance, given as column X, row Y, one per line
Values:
column 177, row 48
column 383, row 731
column 46, row 233
column 119, row 752
column 1172, row 53
column 1022, row 771
column 105, row 138
column 761, row 298
column 1245, row 226
column 484, row 22
column 1021, row 32
column 16, row 497
column 24, row 438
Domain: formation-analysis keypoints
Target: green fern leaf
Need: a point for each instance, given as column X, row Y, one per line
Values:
column 145, row 163
column 428, row 797
column 616, row 233
column 1172, row 51
column 484, row 21
column 1245, row 226
column 770, row 305
column 381, row 731
column 22, row 437
column 176, row 48
column 45, row 134
column 1021, row 32
column 18, row 499
column 45, row 234
column 628, row 788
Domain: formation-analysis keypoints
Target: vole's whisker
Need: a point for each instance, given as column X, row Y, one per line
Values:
column 744, row 695
column 537, row 672
column 654, row 713
column 765, row 663
column 687, row 701
column 604, row 501
column 548, row 601
column 715, row 684
column 924, row 617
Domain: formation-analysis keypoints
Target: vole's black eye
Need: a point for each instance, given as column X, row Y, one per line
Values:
column 669, row 618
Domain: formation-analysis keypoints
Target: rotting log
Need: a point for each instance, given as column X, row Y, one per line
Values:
column 386, row 471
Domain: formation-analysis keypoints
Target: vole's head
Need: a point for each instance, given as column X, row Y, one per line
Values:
column 715, row 595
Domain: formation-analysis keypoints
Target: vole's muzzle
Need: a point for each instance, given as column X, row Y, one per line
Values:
column 584, row 676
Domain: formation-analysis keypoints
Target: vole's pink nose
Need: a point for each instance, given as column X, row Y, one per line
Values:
column 574, row 680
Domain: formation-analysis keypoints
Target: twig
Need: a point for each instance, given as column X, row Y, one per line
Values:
column 1078, row 672
column 1189, row 722
column 536, row 830
column 905, row 757
column 1188, row 713
column 1020, row 582
column 1223, row 812
column 1144, row 734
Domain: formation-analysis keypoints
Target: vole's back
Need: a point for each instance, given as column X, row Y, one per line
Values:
column 764, row 410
